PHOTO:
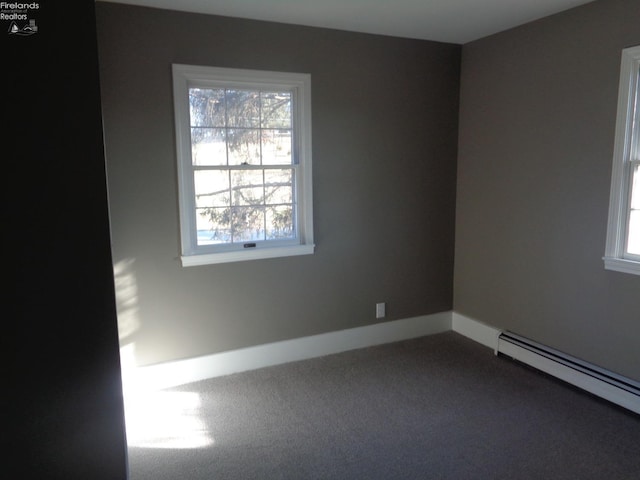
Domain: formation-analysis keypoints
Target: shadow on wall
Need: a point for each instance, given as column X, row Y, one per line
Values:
column 128, row 316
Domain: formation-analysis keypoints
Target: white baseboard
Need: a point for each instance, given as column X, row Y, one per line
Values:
column 475, row 330
column 180, row 372
column 171, row 374
column 598, row 381
column 591, row 378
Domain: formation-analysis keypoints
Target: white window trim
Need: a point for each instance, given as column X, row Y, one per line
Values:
column 187, row 75
column 626, row 143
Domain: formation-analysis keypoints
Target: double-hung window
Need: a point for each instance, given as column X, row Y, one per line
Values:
column 243, row 141
column 623, row 232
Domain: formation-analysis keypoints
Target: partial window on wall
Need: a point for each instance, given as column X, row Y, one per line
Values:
column 623, row 234
column 244, row 163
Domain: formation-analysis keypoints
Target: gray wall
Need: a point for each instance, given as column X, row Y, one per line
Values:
column 537, row 119
column 384, row 157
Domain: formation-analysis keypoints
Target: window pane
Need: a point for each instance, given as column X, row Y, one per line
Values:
column 244, row 146
column 633, row 240
column 278, row 186
column 276, row 110
column 276, row 147
column 633, row 244
column 243, row 108
column 213, row 225
column 635, row 188
column 247, row 223
column 208, row 146
column 211, row 188
column 247, row 187
column 206, row 107
column 280, row 222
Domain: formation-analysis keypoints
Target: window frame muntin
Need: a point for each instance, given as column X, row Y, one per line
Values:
column 186, row 76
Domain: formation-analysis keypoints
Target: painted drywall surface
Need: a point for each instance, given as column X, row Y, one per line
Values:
column 384, row 113
column 62, row 393
column 537, row 120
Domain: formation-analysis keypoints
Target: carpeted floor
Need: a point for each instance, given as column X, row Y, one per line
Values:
column 437, row 407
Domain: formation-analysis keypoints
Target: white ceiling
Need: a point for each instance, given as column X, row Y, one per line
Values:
column 455, row 21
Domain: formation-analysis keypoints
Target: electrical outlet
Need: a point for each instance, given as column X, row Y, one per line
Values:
column 380, row 310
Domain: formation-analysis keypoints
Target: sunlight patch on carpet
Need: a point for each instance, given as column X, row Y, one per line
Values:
column 162, row 419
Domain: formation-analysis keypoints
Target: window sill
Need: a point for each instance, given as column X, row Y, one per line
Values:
column 243, row 255
column 622, row 265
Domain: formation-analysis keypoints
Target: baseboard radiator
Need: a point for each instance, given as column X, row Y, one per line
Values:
column 598, row 381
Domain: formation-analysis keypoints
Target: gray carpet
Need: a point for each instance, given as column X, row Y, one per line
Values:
column 437, row 407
